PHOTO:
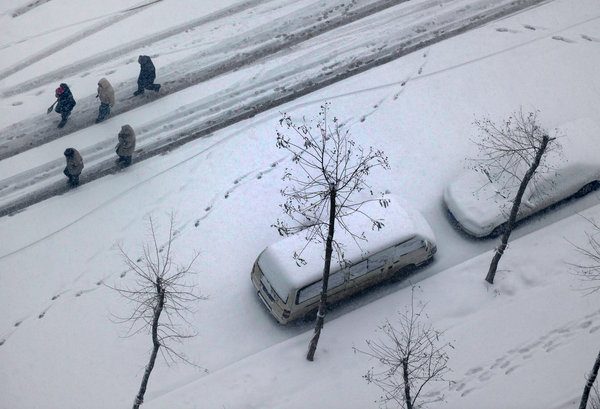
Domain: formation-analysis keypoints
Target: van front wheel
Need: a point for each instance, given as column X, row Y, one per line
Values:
column 404, row 272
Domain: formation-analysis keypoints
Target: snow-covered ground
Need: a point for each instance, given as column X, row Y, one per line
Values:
column 527, row 341
column 238, row 76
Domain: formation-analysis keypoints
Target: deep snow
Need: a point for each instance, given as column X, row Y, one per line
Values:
column 525, row 342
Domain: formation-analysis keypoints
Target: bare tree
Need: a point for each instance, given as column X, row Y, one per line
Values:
column 512, row 155
column 411, row 355
column 161, row 297
column 589, row 271
column 332, row 168
column 589, row 387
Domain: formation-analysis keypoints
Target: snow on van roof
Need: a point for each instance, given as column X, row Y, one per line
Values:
column 401, row 222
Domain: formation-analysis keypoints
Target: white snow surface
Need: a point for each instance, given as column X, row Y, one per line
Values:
column 525, row 342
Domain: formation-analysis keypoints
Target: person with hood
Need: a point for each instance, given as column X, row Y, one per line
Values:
column 126, row 145
column 147, row 75
column 74, row 166
column 65, row 103
column 106, row 94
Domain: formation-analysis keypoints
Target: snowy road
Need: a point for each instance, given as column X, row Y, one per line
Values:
column 307, row 48
column 58, row 343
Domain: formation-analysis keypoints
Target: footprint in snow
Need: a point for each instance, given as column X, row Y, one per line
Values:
column 123, row 274
column 85, row 74
column 529, row 27
column 81, row 292
column 506, row 30
column 17, row 103
column 109, row 72
column 588, row 38
column 561, row 38
column 474, row 370
column 2, row 341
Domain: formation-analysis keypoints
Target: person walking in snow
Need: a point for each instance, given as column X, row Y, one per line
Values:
column 106, row 94
column 147, row 75
column 74, row 166
column 65, row 103
column 126, row 145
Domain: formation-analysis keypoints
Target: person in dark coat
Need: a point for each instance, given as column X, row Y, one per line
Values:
column 147, row 76
column 74, row 166
column 126, row 145
column 65, row 103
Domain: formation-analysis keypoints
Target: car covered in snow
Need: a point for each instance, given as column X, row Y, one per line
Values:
column 481, row 207
column 291, row 290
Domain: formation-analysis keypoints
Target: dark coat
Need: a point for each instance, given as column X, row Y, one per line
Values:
column 66, row 102
column 74, row 162
column 147, row 71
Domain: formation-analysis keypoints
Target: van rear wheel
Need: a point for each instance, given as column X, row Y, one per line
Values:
column 587, row 189
column 310, row 316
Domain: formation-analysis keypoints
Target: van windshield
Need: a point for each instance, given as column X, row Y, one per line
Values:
column 269, row 282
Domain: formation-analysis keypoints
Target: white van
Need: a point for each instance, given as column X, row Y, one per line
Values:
column 291, row 291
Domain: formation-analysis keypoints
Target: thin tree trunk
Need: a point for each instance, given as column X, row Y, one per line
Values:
column 515, row 209
column 156, row 345
column 590, row 382
column 407, row 398
column 312, row 347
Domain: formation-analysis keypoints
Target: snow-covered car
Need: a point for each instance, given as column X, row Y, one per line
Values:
column 481, row 208
column 291, row 290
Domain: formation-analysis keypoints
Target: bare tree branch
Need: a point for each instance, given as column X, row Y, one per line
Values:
column 161, row 298
column 512, row 154
column 410, row 356
column 330, row 170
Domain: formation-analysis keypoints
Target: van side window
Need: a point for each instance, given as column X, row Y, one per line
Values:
column 357, row 270
column 380, row 259
column 314, row 289
column 407, row 247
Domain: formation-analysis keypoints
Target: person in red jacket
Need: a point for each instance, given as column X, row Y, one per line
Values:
column 65, row 103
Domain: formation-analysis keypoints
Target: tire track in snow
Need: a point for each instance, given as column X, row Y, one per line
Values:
column 311, row 17
column 59, row 45
column 244, row 102
column 22, row 10
column 249, row 47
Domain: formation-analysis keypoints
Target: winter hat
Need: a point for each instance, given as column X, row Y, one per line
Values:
column 69, row 152
column 59, row 91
